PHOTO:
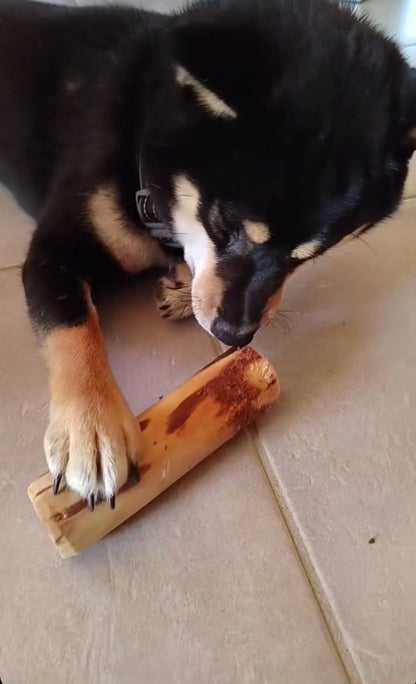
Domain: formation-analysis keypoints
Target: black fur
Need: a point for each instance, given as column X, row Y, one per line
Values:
column 320, row 146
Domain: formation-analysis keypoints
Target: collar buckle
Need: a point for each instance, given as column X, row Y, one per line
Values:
column 162, row 232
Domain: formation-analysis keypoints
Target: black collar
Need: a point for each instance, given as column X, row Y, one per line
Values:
column 162, row 232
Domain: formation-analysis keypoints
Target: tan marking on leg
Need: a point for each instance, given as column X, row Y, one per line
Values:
column 257, row 232
column 134, row 250
column 92, row 434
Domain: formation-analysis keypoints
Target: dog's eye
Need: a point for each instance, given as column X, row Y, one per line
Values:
column 221, row 231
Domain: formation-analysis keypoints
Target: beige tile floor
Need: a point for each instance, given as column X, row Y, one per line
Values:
column 205, row 586
column 257, row 567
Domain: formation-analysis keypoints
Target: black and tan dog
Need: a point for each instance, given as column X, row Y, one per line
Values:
column 265, row 130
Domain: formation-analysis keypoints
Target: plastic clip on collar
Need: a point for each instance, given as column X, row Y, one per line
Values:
column 162, row 232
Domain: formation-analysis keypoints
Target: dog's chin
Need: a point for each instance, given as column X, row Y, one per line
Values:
column 204, row 321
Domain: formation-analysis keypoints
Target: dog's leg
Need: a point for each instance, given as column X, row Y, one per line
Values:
column 174, row 293
column 92, row 436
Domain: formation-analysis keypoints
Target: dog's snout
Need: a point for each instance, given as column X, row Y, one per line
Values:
column 232, row 335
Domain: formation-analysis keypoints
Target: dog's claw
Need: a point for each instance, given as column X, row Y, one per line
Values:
column 91, row 502
column 136, row 473
column 56, row 483
column 113, row 502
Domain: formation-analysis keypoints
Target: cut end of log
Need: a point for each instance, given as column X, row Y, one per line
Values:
column 238, row 398
column 179, row 431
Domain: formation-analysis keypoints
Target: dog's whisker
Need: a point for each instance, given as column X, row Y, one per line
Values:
column 367, row 244
column 282, row 321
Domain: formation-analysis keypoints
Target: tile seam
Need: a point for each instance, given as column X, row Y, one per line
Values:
column 307, row 563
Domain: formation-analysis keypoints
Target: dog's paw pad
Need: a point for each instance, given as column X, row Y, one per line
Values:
column 173, row 293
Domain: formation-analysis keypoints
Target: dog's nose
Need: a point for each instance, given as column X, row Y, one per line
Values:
column 231, row 335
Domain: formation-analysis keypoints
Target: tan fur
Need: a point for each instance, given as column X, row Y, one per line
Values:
column 206, row 97
column 257, row 232
column 134, row 251
column 412, row 135
column 92, row 433
column 212, row 286
column 306, row 250
column 174, row 293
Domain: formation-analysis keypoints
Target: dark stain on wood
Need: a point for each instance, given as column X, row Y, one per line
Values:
column 180, row 415
column 144, row 424
column 235, row 396
column 42, row 491
column 234, row 393
column 69, row 512
column 144, row 467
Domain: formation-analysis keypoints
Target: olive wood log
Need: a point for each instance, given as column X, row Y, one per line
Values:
column 179, row 431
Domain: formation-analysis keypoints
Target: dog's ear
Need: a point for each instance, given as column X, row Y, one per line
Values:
column 410, row 111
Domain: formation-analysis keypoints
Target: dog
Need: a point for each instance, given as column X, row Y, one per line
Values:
column 228, row 143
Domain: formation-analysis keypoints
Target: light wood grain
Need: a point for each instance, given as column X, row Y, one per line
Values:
column 179, row 432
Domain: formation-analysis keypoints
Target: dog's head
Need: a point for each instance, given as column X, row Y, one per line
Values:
column 282, row 128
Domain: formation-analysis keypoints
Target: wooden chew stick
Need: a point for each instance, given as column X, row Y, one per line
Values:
column 179, row 431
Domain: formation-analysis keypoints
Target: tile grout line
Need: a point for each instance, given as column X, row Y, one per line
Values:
column 10, row 267
column 304, row 558
column 312, row 577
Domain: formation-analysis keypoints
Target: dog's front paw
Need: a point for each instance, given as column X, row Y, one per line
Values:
column 93, row 438
column 173, row 293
